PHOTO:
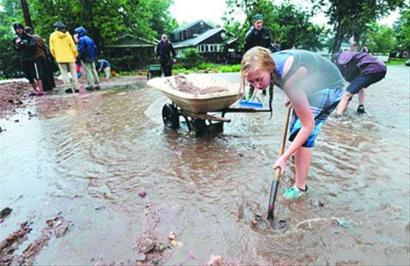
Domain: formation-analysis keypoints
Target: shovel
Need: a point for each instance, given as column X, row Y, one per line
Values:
column 276, row 179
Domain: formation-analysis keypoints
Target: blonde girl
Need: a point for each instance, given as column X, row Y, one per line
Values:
column 313, row 86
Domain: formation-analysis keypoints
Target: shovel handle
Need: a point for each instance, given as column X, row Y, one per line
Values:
column 275, row 181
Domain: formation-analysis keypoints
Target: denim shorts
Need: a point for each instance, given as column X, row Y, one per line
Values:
column 322, row 103
column 364, row 81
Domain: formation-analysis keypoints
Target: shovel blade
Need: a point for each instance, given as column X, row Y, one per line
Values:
column 272, row 199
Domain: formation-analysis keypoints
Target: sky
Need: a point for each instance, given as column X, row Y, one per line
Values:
column 185, row 11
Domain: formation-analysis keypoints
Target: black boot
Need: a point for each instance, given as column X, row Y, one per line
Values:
column 360, row 109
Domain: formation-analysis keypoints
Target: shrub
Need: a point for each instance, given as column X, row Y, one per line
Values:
column 230, row 68
column 191, row 57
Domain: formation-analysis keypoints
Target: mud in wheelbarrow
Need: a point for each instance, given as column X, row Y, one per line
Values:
column 198, row 98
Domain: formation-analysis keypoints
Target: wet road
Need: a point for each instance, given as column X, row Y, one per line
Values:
column 88, row 158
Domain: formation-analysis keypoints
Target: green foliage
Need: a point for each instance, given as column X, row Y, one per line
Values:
column 210, row 68
column 191, row 57
column 288, row 25
column 402, row 30
column 351, row 17
column 380, row 38
column 230, row 68
column 397, row 61
column 9, row 62
column 105, row 21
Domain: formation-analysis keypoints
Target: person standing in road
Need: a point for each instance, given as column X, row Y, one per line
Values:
column 166, row 54
column 63, row 49
column 258, row 35
column 26, row 45
column 87, row 53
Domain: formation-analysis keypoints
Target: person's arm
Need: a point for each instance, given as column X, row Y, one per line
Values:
column 268, row 40
column 17, row 43
column 248, row 41
column 101, row 65
column 172, row 50
column 51, row 44
column 157, row 51
column 73, row 47
column 299, row 101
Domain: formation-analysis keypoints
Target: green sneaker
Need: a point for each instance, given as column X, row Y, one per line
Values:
column 294, row 192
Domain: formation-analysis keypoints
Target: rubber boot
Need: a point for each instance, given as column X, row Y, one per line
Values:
column 40, row 88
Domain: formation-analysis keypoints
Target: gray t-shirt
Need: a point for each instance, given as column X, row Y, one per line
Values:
column 321, row 73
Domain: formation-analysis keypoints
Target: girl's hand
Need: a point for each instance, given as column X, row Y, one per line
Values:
column 287, row 102
column 281, row 164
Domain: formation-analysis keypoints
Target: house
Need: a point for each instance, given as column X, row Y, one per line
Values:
column 213, row 43
column 130, row 52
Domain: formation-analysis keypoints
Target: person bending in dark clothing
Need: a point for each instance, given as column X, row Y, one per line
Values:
column 44, row 61
column 166, row 54
column 360, row 70
column 257, row 35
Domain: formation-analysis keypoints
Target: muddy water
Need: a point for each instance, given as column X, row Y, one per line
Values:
column 89, row 157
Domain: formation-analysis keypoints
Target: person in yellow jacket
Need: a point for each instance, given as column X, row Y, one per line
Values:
column 64, row 50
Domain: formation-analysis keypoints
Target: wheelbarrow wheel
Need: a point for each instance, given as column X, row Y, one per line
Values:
column 170, row 116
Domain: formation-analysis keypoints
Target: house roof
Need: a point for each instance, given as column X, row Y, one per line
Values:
column 128, row 40
column 198, row 39
column 182, row 28
column 231, row 40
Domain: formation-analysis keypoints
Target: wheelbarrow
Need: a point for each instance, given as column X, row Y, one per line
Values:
column 198, row 98
column 153, row 71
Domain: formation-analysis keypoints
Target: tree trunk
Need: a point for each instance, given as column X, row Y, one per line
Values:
column 338, row 39
column 26, row 13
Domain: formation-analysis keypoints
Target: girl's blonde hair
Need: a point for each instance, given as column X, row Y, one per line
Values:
column 257, row 58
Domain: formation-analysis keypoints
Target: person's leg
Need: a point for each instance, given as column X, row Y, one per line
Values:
column 360, row 108
column 343, row 103
column 33, row 87
column 163, row 68
column 64, row 74
column 107, row 72
column 168, row 69
column 29, row 75
column 73, row 71
column 361, row 97
column 321, row 104
column 95, row 74
column 38, row 70
column 40, row 87
column 367, row 81
column 303, row 158
column 88, row 74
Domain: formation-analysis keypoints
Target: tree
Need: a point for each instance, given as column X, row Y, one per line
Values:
column 105, row 20
column 9, row 62
column 140, row 18
column 288, row 24
column 103, row 24
column 379, row 38
column 351, row 17
column 402, row 30
column 162, row 21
